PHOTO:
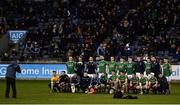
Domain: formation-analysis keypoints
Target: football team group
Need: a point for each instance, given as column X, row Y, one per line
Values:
column 138, row 76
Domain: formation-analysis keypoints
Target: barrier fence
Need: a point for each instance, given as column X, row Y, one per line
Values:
column 44, row 71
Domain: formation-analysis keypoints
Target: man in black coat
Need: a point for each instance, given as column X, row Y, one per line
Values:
column 155, row 67
column 11, row 77
column 139, row 66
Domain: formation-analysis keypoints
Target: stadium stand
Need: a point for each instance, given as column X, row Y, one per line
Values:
column 57, row 29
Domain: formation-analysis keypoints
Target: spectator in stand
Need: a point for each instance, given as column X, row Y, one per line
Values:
column 100, row 50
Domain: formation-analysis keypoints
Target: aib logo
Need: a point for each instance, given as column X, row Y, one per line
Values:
column 16, row 35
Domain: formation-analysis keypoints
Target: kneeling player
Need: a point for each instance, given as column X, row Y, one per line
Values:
column 163, row 86
column 85, row 82
column 94, row 85
column 64, row 82
column 123, row 80
column 103, row 82
column 111, row 83
column 143, row 84
column 54, row 82
column 134, row 82
column 153, row 83
column 74, row 83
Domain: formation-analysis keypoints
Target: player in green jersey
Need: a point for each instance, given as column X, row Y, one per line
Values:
column 130, row 67
column 148, row 67
column 167, row 70
column 122, row 66
column 153, row 84
column 134, row 83
column 112, row 65
column 143, row 84
column 121, row 81
column 102, row 64
column 70, row 66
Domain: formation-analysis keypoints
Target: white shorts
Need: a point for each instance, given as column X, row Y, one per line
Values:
column 129, row 76
column 90, row 75
column 168, row 79
column 70, row 75
column 99, row 75
column 147, row 76
column 109, row 75
column 138, row 74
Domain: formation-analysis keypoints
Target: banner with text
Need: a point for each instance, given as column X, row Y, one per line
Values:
column 34, row 70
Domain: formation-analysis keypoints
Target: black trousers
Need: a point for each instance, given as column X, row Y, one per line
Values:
column 54, row 87
column 10, row 82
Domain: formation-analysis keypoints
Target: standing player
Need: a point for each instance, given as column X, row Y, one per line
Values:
column 143, row 84
column 121, row 66
column 134, row 83
column 70, row 66
column 153, row 84
column 148, row 68
column 130, row 68
column 102, row 66
column 167, row 70
column 139, row 66
column 155, row 67
column 91, row 67
column 112, row 66
column 80, row 66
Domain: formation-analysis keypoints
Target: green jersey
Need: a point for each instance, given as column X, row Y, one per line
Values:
column 134, row 80
column 153, row 80
column 70, row 67
column 112, row 78
column 102, row 66
column 122, row 67
column 122, row 78
column 166, row 69
column 148, row 68
column 130, row 68
column 111, row 67
column 143, row 80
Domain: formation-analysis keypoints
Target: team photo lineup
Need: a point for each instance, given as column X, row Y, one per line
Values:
column 139, row 76
column 89, row 51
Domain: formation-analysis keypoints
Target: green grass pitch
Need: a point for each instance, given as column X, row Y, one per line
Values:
column 37, row 92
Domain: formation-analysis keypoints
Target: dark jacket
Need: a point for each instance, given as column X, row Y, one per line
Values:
column 155, row 68
column 12, row 69
column 80, row 69
column 85, row 81
column 139, row 67
column 91, row 68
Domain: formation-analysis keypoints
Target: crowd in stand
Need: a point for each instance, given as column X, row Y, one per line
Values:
column 57, row 29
